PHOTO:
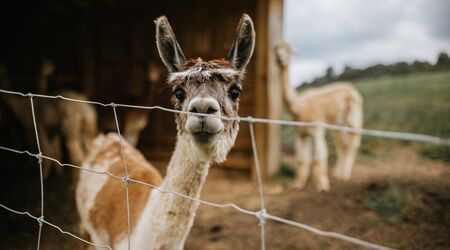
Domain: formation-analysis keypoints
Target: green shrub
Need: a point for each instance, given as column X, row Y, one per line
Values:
column 390, row 204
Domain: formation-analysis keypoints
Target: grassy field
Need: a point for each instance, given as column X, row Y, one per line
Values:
column 418, row 103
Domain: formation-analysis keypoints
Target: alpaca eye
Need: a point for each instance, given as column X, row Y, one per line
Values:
column 180, row 94
column 234, row 92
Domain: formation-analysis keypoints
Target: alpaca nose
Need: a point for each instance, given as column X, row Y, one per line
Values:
column 203, row 125
column 204, row 105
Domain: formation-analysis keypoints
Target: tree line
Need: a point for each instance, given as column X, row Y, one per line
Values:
column 399, row 68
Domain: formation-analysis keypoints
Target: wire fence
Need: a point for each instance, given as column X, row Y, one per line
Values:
column 261, row 214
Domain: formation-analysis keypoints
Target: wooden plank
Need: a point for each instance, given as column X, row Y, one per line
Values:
column 274, row 91
column 267, row 92
column 260, row 89
column 116, row 52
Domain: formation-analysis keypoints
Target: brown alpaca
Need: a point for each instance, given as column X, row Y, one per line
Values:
column 162, row 220
column 135, row 120
column 58, row 121
column 338, row 103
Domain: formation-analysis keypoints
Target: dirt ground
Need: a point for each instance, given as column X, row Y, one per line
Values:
column 424, row 224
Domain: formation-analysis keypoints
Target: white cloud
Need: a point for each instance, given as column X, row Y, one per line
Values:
column 360, row 33
column 305, row 70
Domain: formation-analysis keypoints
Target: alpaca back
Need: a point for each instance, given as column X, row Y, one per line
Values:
column 101, row 199
column 337, row 103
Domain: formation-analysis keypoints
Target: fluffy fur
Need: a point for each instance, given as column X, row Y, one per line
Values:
column 162, row 220
column 71, row 123
column 338, row 103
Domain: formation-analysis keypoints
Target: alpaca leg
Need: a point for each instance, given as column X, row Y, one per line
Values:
column 90, row 129
column 351, row 149
column 320, row 160
column 351, row 140
column 84, row 235
column 71, row 128
column 72, row 131
column 76, row 156
column 303, row 160
column 75, row 150
column 340, row 152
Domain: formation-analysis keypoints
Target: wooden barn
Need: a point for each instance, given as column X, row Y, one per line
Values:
column 107, row 50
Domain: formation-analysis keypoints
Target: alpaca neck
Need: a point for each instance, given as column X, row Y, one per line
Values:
column 167, row 218
column 289, row 95
column 43, row 85
column 186, row 172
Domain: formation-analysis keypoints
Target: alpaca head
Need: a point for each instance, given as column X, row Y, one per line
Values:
column 284, row 52
column 47, row 68
column 206, row 87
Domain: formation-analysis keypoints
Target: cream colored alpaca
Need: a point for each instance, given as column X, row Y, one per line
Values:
column 78, row 123
column 58, row 121
column 338, row 103
column 162, row 220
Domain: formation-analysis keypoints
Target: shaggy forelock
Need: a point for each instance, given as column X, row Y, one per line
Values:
column 213, row 77
column 199, row 71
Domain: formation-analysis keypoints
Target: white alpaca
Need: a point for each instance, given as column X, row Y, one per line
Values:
column 161, row 220
column 338, row 103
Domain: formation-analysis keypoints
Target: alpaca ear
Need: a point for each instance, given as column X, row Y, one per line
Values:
column 168, row 47
column 242, row 49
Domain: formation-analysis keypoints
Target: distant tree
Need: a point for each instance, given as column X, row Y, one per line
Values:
column 348, row 73
column 399, row 68
column 329, row 73
column 419, row 66
column 443, row 60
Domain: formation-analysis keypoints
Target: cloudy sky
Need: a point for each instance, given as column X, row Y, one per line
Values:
column 360, row 33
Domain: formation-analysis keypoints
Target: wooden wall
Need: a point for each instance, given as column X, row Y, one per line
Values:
column 107, row 47
column 269, row 103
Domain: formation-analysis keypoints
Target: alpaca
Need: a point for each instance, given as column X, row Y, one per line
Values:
column 78, row 125
column 73, row 123
column 132, row 120
column 161, row 220
column 337, row 103
column 46, row 118
column 77, row 122
column 135, row 120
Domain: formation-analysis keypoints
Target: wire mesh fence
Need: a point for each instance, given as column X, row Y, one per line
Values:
column 262, row 214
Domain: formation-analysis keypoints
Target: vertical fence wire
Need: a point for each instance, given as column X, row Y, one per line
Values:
column 126, row 178
column 261, row 214
column 40, row 219
column 54, row 226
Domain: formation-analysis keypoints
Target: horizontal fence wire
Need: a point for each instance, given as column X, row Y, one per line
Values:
column 368, row 132
column 41, row 221
column 262, row 214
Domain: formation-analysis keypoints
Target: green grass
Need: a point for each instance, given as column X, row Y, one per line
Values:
column 417, row 103
column 390, row 204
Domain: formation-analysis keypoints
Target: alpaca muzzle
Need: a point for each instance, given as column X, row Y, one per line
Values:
column 204, row 128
